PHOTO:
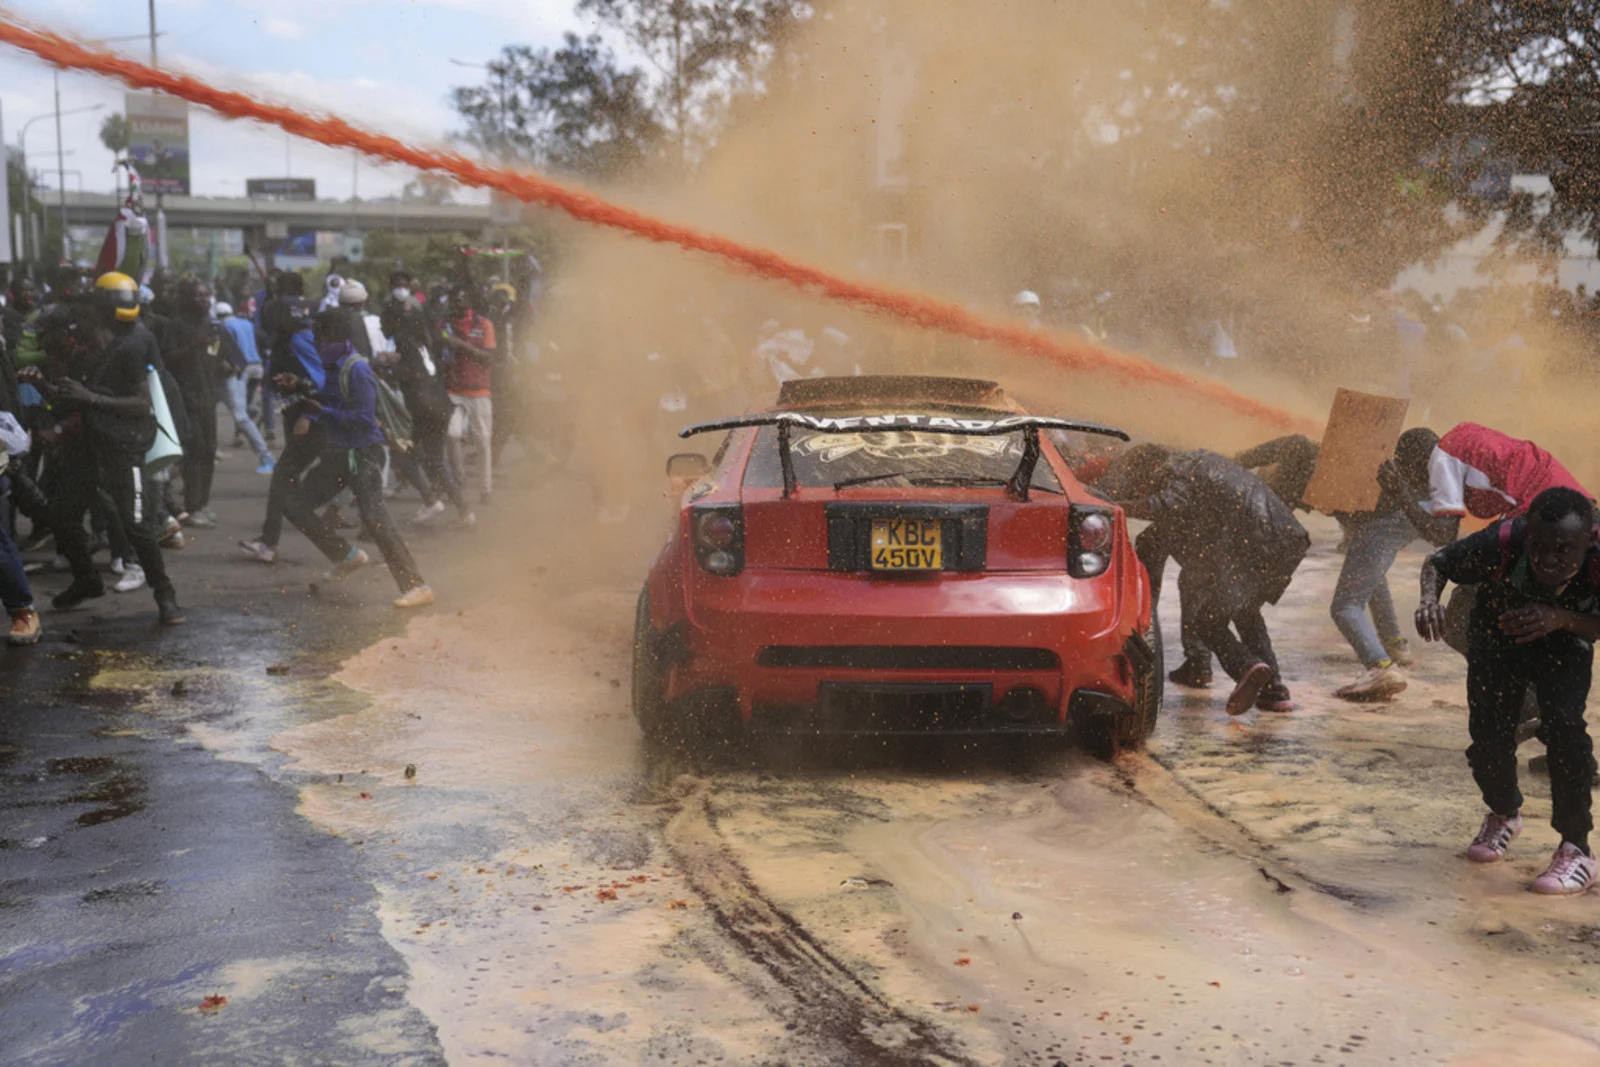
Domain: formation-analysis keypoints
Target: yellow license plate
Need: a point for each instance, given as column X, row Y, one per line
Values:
column 907, row 545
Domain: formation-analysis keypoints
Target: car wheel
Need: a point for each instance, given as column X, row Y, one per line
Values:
column 648, row 706
column 1149, row 688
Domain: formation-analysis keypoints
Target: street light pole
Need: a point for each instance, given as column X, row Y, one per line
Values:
column 22, row 147
column 161, row 210
column 61, row 173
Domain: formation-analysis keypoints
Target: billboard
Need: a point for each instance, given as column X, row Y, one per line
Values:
column 158, row 142
column 280, row 188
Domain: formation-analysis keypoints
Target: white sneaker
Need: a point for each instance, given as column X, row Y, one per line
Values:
column 116, row 565
column 1377, row 683
column 429, row 512
column 418, row 597
column 351, row 563
column 132, row 578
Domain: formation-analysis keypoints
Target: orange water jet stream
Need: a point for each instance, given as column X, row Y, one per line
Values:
column 916, row 308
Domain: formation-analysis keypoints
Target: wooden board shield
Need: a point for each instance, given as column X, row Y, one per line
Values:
column 1363, row 429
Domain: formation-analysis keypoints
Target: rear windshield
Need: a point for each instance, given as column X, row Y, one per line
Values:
column 903, row 457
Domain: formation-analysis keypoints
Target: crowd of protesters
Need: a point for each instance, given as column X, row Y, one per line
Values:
column 109, row 392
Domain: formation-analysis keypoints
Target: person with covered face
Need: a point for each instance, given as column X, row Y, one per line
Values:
column 351, row 457
column 1239, row 546
column 1533, row 625
column 181, row 321
column 102, row 425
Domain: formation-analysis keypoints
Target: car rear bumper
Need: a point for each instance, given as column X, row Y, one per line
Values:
column 844, row 653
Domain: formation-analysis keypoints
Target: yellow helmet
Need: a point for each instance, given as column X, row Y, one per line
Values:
column 119, row 293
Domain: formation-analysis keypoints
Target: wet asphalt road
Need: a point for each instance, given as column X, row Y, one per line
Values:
column 139, row 870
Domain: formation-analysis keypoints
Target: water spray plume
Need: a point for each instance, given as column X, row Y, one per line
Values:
column 584, row 206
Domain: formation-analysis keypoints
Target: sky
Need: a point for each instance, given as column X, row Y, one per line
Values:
column 384, row 64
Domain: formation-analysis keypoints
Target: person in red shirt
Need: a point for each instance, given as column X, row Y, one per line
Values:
column 1478, row 471
column 470, row 349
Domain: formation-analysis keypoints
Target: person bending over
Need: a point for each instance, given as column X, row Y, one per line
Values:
column 1238, row 546
column 1534, row 622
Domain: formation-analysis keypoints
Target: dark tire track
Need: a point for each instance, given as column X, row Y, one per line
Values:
column 817, row 995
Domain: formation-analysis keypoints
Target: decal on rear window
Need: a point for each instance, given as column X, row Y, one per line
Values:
column 832, row 447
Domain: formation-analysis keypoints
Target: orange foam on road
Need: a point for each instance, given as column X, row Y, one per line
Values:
column 911, row 307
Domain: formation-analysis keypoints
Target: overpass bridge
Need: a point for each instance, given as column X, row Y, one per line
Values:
column 265, row 219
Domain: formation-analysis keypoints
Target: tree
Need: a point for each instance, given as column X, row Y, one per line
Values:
column 114, row 133
column 572, row 108
column 428, row 188
column 1527, row 76
column 703, row 52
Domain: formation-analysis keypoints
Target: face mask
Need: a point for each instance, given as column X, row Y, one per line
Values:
column 400, row 293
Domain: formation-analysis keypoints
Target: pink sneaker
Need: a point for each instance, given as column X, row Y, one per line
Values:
column 1244, row 695
column 1570, row 873
column 1497, row 833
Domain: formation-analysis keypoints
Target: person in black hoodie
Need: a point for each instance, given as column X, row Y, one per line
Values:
column 421, row 381
column 181, row 322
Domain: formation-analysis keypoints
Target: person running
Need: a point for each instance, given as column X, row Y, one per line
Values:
column 240, row 359
column 293, row 363
column 1238, row 546
column 422, row 383
column 99, row 395
column 1533, row 624
column 352, row 458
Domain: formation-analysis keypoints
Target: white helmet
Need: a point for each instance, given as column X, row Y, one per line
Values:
column 1026, row 298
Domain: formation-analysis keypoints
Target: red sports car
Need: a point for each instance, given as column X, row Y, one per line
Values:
column 894, row 555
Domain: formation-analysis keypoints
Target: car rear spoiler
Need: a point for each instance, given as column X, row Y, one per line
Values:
column 1027, row 425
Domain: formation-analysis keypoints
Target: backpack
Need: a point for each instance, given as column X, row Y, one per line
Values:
column 393, row 418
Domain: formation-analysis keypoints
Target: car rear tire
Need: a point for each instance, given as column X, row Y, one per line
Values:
column 1149, row 688
column 691, row 729
column 1104, row 736
column 648, row 684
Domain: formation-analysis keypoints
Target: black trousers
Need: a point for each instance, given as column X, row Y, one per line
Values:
column 1151, row 547
column 428, row 451
column 361, row 471
column 82, row 473
column 299, row 452
column 1558, row 667
column 26, row 496
column 1227, row 620
column 200, row 453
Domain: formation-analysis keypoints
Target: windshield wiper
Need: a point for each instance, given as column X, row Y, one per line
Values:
column 865, row 478
column 973, row 480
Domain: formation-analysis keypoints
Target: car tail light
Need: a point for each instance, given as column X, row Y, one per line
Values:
column 718, row 534
column 1091, row 534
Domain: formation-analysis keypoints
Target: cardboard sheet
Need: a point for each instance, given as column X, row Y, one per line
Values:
column 1362, row 431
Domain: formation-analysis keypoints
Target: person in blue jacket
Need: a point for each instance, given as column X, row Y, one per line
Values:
column 345, row 409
